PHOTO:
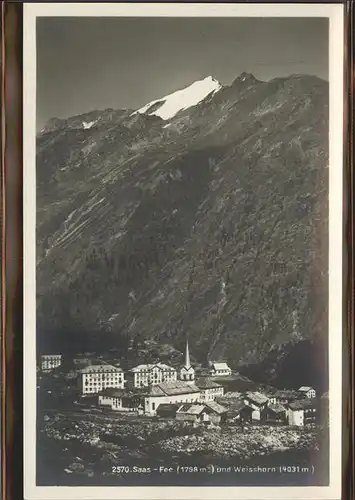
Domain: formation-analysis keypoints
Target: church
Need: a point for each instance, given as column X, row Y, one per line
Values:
column 177, row 391
column 185, row 390
column 187, row 372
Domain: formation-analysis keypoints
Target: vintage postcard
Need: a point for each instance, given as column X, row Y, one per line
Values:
column 183, row 181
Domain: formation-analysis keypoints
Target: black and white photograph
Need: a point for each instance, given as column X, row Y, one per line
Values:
column 183, row 214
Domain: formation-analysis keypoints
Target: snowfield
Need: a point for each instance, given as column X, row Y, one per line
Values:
column 181, row 99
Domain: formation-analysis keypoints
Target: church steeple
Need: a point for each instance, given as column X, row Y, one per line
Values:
column 187, row 356
column 187, row 372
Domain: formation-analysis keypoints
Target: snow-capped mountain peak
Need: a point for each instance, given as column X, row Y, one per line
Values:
column 87, row 125
column 168, row 106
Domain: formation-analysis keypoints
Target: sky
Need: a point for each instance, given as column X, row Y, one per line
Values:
column 85, row 64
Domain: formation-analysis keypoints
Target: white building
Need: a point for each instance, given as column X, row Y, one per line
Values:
column 170, row 393
column 301, row 412
column 151, row 374
column 121, row 400
column 209, row 389
column 308, row 392
column 220, row 370
column 111, row 398
column 50, row 361
column 95, row 378
column 187, row 372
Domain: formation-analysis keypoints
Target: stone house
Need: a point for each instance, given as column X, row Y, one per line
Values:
column 274, row 413
column 257, row 402
column 302, row 412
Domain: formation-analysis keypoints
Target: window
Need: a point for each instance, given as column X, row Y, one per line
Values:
column 153, row 406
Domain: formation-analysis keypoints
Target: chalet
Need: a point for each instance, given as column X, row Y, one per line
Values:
column 50, row 361
column 283, row 397
column 302, row 412
column 150, row 374
column 220, row 370
column 167, row 410
column 237, row 410
column 209, row 389
column 307, row 392
column 240, row 413
column 206, row 413
column 121, row 400
column 257, row 402
column 273, row 413
column 95, row 378
column 190, row 412
column 214, row 413
column 171, row 392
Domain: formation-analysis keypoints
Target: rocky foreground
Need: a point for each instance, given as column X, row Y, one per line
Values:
column 119, row 440
column 237, row 442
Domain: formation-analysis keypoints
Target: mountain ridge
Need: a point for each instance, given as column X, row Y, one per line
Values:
column 211, row 227
column 55, row 122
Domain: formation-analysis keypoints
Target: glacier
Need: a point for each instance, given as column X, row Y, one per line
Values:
column 181, row 99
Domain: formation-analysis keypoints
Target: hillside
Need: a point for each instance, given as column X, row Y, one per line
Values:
column 210, row 225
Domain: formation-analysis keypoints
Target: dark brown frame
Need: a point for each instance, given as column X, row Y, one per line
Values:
column 12, row 280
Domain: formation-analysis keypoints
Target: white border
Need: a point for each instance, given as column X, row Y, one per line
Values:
column 335, row 13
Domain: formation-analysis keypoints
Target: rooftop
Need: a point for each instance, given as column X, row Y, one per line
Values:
column 187, row 369
column 236, row 407
column 168, row 407
column 305, row 388
column 119, row 393
column 191, row 408
column 276, row 408
column 235, row 412
column 206, row 383
column 232, row 395
column 256, row 397
column 172, row 388
column 217, row 408
column 101, row 369
column 285, row 394
column 302, row 404
column 113, row 393
column 235, row 403
column 149, row 367
column 220, row 366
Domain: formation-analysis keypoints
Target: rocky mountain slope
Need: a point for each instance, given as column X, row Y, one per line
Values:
column 210, row 224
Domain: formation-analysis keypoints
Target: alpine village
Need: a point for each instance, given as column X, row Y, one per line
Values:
column 152, row 414
column 163, row 391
